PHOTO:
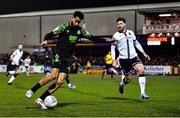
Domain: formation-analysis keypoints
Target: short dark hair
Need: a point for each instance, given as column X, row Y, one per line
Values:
column 121, row 19
column 78, row 14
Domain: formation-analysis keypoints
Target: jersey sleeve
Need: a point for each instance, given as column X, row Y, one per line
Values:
column 85, row 33
column 60, row 29
column 138, row 46
column 136, row 43
column 55, row 32
column 134, row 36
column 14, row 53
column 115, row 37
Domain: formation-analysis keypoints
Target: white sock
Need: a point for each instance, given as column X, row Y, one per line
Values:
column 142, row 84
column 27, row 73
column 11, row 79
column 69, row 84
column 122, row 77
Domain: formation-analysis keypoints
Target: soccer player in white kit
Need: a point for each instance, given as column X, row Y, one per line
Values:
column 27, row 62
column 125, row 42
column 15, row 58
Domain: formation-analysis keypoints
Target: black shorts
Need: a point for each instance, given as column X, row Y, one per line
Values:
column 64, row 64
column 60, row 62
column 13, row 68
column 127, row 64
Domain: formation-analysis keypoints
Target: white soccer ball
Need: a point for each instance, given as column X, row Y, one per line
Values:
column 50, row 101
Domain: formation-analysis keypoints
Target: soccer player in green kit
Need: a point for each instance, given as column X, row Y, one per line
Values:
column 68, row 35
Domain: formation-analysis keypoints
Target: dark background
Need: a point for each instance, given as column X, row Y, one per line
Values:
column 19, row 6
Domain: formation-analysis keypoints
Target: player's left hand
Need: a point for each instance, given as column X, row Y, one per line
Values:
column 44, row 43
column 147, row 56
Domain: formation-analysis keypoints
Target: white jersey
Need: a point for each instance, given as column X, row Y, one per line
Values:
column 27, row 62
column 125, row 43
column 17, row 54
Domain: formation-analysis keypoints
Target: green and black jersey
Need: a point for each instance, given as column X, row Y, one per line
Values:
column 67, row 36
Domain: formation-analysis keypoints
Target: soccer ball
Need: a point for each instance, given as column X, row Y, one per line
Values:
column 50, row 101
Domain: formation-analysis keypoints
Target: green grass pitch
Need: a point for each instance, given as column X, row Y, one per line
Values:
column 93, row 97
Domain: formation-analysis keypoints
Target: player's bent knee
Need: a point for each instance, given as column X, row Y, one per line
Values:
column 141, row 72
column 54, row 76
column 60, row 82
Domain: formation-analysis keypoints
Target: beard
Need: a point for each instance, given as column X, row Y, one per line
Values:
column 72, row 25
column 120, row 29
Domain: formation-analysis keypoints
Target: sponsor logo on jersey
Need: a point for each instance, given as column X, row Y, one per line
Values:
column 72, row 39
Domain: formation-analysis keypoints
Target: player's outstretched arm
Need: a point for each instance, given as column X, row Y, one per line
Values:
column 49, row 38
column 97, row 39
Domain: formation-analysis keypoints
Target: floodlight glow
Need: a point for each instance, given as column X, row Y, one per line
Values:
column 164, row 15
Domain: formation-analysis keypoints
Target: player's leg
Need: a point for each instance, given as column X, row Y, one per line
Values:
column 14, row 71
column 142, row 80
column 69, row 83
column 51, row 90
column 42, row 82
column 60, row 80
column 67, row 79
column 126, row 76
column 27, row 70
column 8, row 68
column 124, row 81
column 54, row 86
column 13, row 77
column 113, row 72
column 103, row 73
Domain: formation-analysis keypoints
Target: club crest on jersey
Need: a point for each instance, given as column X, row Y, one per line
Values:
column 56, row 58
column 78, row 32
